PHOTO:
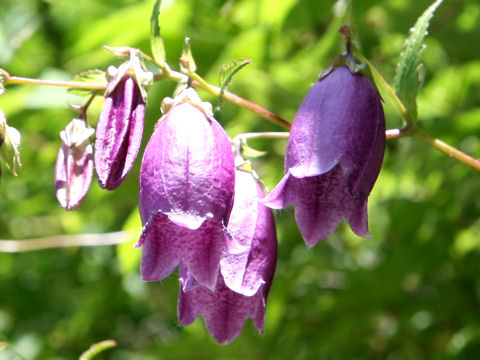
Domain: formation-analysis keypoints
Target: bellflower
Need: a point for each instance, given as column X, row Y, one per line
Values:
column 186, row 192
column 247, row 268
column 334, row 154
column 120, row 126
column 74, row 166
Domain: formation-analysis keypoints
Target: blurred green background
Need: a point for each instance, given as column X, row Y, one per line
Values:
column 410, row 292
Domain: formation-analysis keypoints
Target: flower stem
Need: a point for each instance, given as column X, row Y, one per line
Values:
column 447, row 149
column 262, row 135
column 69, row 84
column 114, row 238
column 198, row 82
column 97, row 348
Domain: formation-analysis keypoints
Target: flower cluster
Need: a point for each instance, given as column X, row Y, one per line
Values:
column 203, row 216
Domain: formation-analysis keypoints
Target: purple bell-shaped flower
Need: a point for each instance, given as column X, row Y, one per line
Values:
column 334, row 154
column 186, row 192
column 247, row 268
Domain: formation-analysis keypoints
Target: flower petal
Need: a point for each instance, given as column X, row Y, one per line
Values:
column 187, row 168
column 249, row 258
column 322, row 202
column 165, row 244
column 224, row 311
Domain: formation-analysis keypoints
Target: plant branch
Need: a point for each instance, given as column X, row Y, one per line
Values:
column 447, row 149
column 200, row 83
column 10, row 80
column 102, row 239
column 97, row 348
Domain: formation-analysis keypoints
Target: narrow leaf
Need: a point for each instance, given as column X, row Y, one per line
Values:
column 227, row 71
column 406, row 77
column 156, row 42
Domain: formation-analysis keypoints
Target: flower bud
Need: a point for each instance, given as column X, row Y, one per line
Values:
column 120, row 126
column 74, row 166
column 334, row 154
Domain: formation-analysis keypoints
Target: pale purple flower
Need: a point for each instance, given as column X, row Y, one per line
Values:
column 186, row 192
column 248, row 260
column 247, row 268
column 74, row 165
column 120, row 126
column 334, row 154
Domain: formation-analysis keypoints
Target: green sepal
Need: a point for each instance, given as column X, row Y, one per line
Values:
column 407, row 73
column 10, row 149
column 187, row 63
column 250, row 152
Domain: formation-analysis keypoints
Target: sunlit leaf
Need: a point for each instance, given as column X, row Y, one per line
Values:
column 407, row 73
column 156, row 42
column 227, row 71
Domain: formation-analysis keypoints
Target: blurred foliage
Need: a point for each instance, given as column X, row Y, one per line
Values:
column 410, row 292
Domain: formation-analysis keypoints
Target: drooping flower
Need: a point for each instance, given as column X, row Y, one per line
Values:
column 334, row 154
column 249, row 258
column 186, row 192
column 247, row 268
column 120, row 126
column 74, row 166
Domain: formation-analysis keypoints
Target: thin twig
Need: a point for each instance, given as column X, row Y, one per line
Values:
column 102, row 239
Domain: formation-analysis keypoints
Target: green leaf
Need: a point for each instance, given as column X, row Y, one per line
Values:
column 93, row 76
column 227, row 71
column 156, row 42
column 406, row 77
column 187, row 63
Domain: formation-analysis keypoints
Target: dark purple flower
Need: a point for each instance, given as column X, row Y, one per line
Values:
column 186, row 192
column 74, row 166
column 334, row 154
column 247, row 268
column 120, row 126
